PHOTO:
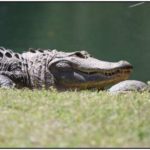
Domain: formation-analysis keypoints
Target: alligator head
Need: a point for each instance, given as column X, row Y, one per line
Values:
column 80, row 70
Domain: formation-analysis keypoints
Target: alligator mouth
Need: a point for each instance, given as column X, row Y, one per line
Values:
column 110, row 72
column 97, row 77
column 102, row 78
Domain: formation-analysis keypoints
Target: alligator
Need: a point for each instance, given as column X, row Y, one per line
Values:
column 45, row 68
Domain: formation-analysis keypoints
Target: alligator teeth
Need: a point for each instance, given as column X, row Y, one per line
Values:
column 111, row 72
column 116, row 71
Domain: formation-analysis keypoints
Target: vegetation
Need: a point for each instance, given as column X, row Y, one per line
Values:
column 73, row 119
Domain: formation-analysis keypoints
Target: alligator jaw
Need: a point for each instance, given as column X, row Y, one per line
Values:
column 110, row 73
column 101, row 78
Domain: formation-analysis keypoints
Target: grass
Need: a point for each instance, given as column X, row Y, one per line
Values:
column 74, row 119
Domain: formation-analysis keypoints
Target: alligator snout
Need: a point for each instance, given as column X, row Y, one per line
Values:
column 126, row 65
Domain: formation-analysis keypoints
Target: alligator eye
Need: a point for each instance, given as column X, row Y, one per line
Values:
column 78, row 54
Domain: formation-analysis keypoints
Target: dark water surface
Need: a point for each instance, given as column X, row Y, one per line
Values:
column 109, row 30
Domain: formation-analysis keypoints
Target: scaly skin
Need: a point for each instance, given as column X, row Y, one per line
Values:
column 62, row 70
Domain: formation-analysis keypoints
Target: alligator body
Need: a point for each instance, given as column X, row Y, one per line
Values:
column 62, row 70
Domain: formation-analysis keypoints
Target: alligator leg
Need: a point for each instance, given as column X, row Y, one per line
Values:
column 5, row 82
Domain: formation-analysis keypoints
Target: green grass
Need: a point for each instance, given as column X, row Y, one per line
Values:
column 73, row 119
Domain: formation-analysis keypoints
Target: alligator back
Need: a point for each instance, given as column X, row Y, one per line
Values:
column 9, row 60
column 13, row 66
column 38, row 60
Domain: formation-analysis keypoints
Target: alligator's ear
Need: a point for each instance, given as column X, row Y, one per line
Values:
column 79, row 54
